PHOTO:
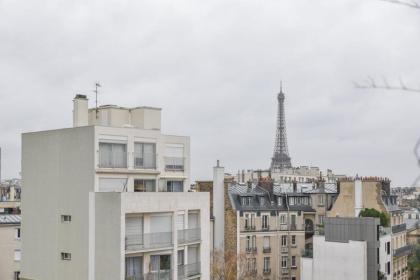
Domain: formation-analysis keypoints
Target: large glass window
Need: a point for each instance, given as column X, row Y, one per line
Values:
column 144, row 155
column 112, row 155
column 141, row 185
column 133, row 267
column 266, row 263
column 174, row 157
column 171, row 186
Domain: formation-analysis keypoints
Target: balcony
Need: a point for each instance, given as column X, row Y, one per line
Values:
column 251, row 250
column 284, row 271
column 189, row 270
column 265, row 228
column 399, row 228
column 249, row 228
column 147, row 241
column 189, row 235
column 158, row 275
column 144, row 160
column 284, row 249
column 402, row 251
column 116, row 161
column 266, row 271
column 174, row 163
column 267, row 250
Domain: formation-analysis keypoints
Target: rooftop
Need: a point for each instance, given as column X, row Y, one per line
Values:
column 10, row 219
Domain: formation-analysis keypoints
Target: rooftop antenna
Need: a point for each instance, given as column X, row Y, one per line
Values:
column 281, row 86
column 97, row 85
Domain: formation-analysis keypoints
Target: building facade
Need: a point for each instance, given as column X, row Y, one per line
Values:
column 118, row 205
column 10, row 246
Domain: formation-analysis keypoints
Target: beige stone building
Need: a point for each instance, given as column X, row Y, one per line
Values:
column 268, row 226
column 360, row 193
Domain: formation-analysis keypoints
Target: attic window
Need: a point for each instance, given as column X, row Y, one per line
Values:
column 246, row 201
column 279, row 200
column 262, row 200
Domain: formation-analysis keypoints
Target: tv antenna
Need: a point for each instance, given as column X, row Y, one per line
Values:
column 97, row 85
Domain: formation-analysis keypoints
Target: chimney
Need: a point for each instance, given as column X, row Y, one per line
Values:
column 267, row 184
column 218, row 206
column 80, row 111
column 249, row 184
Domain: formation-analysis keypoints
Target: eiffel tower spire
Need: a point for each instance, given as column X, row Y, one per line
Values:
column 281, row 158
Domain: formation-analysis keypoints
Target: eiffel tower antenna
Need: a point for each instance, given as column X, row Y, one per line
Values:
column 281, row 158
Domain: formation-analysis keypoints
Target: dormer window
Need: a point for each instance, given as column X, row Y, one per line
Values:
column 246, row 201
column 279, row 200
column 262, row 200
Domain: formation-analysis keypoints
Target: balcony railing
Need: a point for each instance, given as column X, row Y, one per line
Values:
column 251, row 250
column 265, row 228
column 138, row 242
column 284, row 249
column 266, row 271
column 402, row 251
column 189, row 235
column 249, row 228
column 174, row 163
column 144, row 160
column 113, row 161
column 399, row 228
column 267, row 250
column 189, row 270
column 158, row 275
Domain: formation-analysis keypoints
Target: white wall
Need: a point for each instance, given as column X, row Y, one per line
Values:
column 335, row 260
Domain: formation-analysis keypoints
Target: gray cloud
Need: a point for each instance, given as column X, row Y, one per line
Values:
column 214, row 67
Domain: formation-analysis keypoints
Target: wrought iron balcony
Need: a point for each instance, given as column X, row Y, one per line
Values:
column 267, row 250
column 251, row 250
column 189, row 270
column 189, row 235
column 249, row 228
column 399, row 228
column 265, row 228
column 402, row 251
column 266, row 271
column 139, row 242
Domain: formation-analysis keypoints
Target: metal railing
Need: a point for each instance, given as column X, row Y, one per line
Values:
column 249, row 228
column 265, row 227
column 399, row 228
column 113, row 161
column 267, row 250
column 250, row 250
column 174, row 163
column 138, row 242
column 145, row 160
column 189, row 270
column 189, row 235
column 158, row 275
column 284, row 249
column 266, row 270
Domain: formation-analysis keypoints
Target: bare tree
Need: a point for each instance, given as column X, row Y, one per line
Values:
column 230, row 266
column 408, row 3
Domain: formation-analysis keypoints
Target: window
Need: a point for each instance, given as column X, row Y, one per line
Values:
column 133, row 267
column 284, row 240
column 291, row 200
column 283, row 219
column 321, row 219
column 262, row 200
column 266, row 222
column 112, row 155
column 17, row 255
column 251, row 264
column 266, row 263
column 283, row 262
column 266, row 242
column 174, row 157
column 293, row 239
column 145, row 155
column 65, row 218
column 293, row 222
column 65, row 256
column 293, row 277
column 321, row 199
column 246, row 201
column 293, row 261
column 180, row 257
column 17, row 233
column 388, row 267
column 172, row 186
column 279, row 200
column 141, row 185
column 16, row 275
column 388, row 248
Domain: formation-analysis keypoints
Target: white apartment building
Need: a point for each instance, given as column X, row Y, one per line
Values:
column 108, row 199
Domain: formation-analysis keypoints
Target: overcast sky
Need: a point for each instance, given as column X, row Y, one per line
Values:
column 214, row 67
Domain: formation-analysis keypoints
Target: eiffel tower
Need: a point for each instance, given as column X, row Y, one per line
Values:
column 281, row 158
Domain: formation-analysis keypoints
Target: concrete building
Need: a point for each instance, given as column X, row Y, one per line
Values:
column 350, row 249
column 372, row 192
column 109, row 199
column 10, row 247
column 10, row 191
